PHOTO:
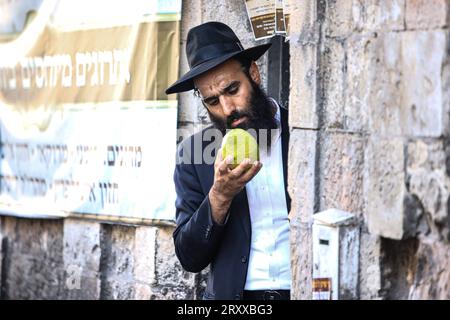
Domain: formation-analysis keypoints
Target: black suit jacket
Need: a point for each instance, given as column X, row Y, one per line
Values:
column 199, row 241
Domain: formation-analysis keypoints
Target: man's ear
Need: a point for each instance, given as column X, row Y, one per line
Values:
column 254, row 73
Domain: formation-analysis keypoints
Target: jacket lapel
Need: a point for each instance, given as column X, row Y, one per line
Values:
column 284, row 113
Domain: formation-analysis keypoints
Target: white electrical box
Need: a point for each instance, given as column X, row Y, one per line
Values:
column 335, row 255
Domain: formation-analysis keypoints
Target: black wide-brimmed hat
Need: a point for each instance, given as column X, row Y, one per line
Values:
column 209, row 45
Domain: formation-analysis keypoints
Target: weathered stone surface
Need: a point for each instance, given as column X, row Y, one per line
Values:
column 374, row 15
column 304, row 27
column 342, row 172
column 301, row 261
column 369, row 266
column 357, row 82
column 173, row 282
column 302, row 166
column 425, row 154
column 192, row 16
column 385, row 185
column 447, row 155
column 393, row 76
column 117, row 262
column 339, row 20
column 304, row 66
column 144, row 253
column 432, row 274
column 301, row 184
column 128, row 262
column 333, row 71
column 446, row 89
column 422, row 59
column 304, row 111
column 189, row 106
column 225, row 11
column 81, row 254
column 429, row 183
column 32, row 259
column 382, row 83
column 426, row 14
column 234, row 14
column 345, row 17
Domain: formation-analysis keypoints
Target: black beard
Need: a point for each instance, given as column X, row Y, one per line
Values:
column 260, row 113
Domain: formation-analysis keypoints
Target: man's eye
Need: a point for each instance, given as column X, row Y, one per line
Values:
column 212, row 102
column 233, row 90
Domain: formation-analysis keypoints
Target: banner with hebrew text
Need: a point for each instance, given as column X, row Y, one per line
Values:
column 86, row 129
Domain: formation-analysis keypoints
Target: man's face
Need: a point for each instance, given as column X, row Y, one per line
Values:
column 234, row 99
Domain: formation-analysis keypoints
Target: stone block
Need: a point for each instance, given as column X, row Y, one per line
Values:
column 192, row 16
column 32, row 259
column 333, row 63
column 446, row 89
column 385, row 187
column 304, row 27
column 369, row 267
column 144, row 255
column 432, row 274
column 426, row 14
column 421, row 94
column 339, row 19
column 375, row 15
column 169, row 271
column 301, row 170
column 301, row 261
column 117, row 262
column 345, row 17
column 427, row 179
column 342, row 172
column 303, row 111
column 403, row 87
column 304, row 65
column 301, row 186
column 345, row 82
column 381, row 83
column 81, row 254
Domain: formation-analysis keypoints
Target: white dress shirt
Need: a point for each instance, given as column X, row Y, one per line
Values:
column 269, row 262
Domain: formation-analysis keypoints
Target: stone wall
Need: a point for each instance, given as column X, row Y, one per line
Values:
column 76, row 259
column 370, row 116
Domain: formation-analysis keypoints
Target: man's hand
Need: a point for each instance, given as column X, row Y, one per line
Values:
column 228, row 183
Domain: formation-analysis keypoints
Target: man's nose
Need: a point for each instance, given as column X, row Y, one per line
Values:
column 227, row 104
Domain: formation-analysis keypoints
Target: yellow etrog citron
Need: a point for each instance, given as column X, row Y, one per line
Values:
column 240, row 145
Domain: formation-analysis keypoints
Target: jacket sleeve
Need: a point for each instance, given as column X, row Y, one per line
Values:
column 197, row 237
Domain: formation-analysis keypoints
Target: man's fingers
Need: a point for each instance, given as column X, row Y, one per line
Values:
column 241, row 168
column 223, row 165
column 253, row 171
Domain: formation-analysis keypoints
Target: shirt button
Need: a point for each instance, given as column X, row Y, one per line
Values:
column 237, row 297
column 243, row 259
